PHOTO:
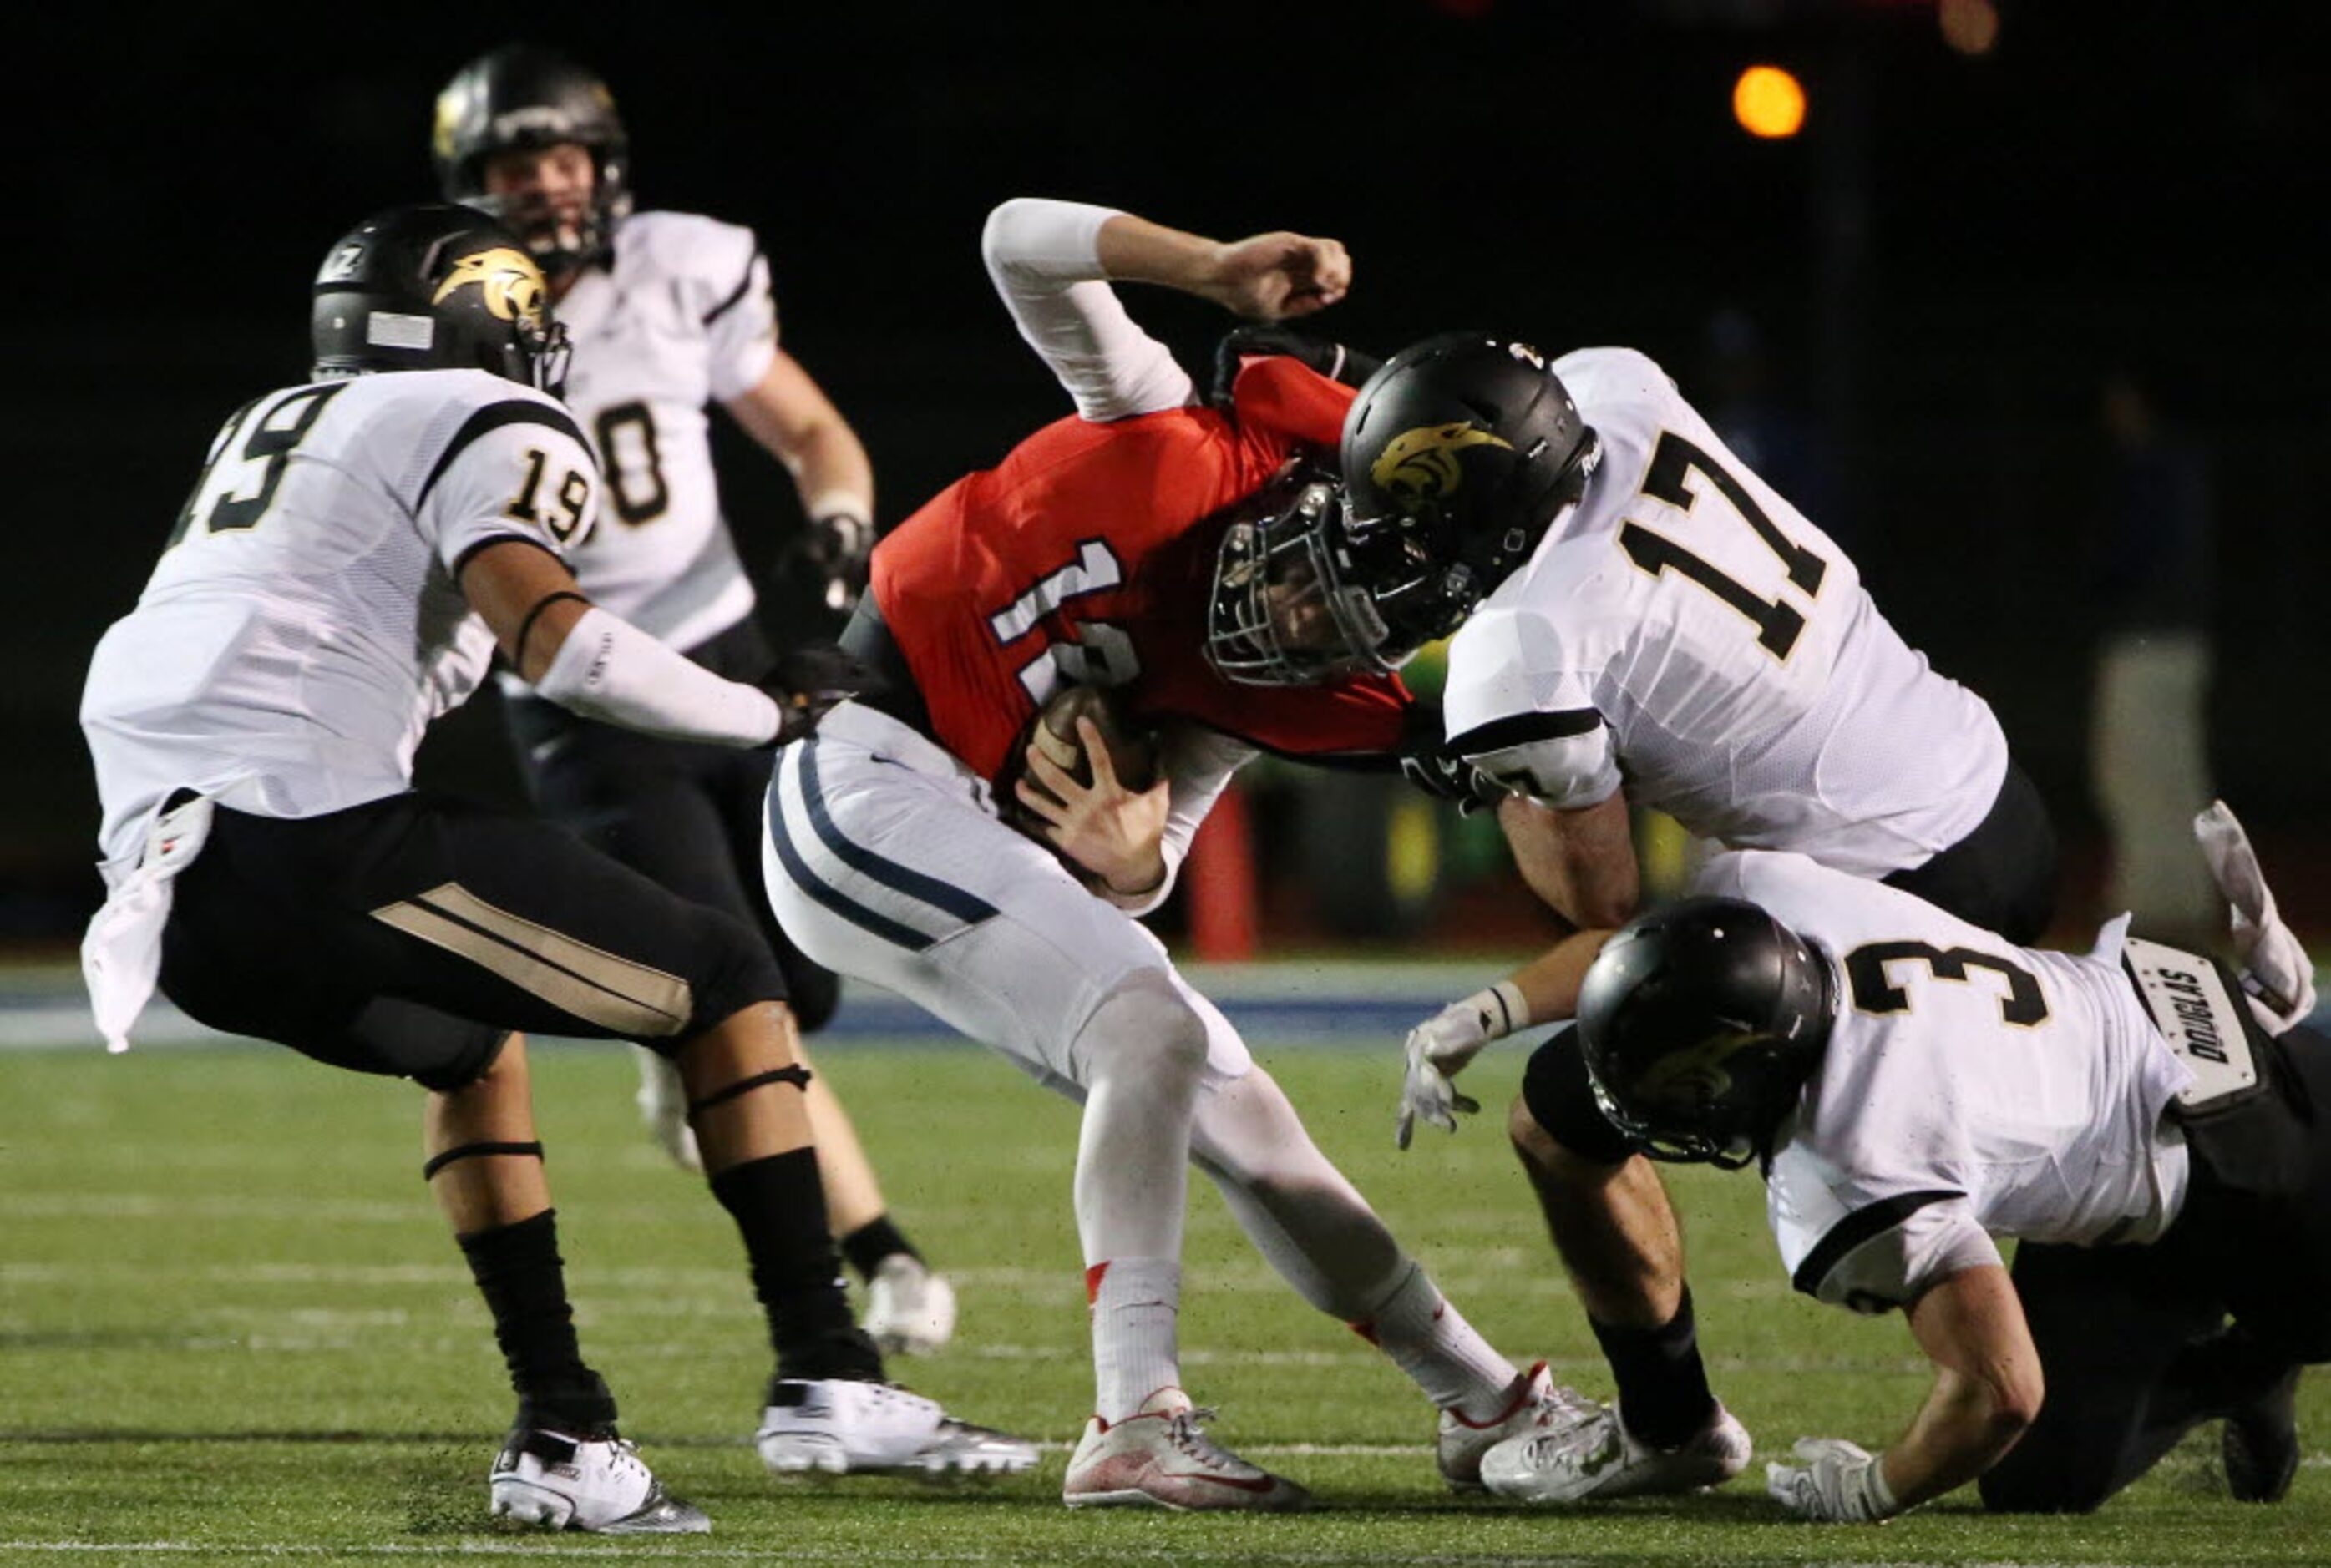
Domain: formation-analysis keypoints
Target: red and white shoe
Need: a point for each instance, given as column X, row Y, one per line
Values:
column 1159, row 1457
column 1538, row 1403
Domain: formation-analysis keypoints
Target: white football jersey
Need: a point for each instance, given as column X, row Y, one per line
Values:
column 681, row 318
column 1684, row 630
column 1971, row 1088
column 305, row 625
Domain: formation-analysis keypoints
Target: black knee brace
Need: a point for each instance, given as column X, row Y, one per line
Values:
column 1556, row 1090
column 797, row 1075
column 473, row 1150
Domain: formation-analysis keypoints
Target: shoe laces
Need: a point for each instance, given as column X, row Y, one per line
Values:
column 1185, row 1430
column 623, row 1458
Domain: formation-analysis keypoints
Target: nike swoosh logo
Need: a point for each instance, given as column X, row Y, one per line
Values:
column 1260, row 1483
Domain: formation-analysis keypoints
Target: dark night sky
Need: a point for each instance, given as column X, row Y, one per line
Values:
column 2115, row 178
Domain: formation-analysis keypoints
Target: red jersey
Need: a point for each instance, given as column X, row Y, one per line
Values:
column 1088, row 553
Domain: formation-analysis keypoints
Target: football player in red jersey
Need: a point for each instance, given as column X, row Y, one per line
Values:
column 1089, row 556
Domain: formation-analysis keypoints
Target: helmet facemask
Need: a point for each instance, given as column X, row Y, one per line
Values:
column 547, row 352
column 561, row 239
column 1284, row 611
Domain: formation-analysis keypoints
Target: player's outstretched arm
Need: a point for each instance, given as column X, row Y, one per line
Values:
column 1987, row 1384
column 1542, row 990
column 582, row 658
column 1269, row 277
column 1987, row 1392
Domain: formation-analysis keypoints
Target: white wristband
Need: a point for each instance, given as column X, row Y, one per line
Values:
column 608, row 668
column 1877, row 1497
column 838, row 503
column 1501, row 1009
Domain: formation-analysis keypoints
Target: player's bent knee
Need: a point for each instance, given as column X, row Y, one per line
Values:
column 1145, row 1023
column 1559, row 1104
column 734, row 970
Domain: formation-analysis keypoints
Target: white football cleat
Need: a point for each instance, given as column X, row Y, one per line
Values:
column 910, row 1310
column 597, row 1483
column 1158, row 1458
column 1597, row 1457
column 664, row 1105
column 855, row 1428
column 1539, row 1404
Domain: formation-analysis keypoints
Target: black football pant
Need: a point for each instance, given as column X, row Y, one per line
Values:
column 411, row 935
column 2128, row 1336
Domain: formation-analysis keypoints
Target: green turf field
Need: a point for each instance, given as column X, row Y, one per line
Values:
column 232, row 1329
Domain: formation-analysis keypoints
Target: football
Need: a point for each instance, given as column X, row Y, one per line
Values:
column 1132, row 750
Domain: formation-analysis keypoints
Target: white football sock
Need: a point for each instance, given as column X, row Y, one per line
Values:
column 1135, row 1304
column 1316, row 1229
column 1139, row 1059
column 1443, row 1355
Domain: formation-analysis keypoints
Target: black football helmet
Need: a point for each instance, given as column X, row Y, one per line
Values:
column 1282, row 613
column 436, row 286
column 1700, row 1023
column 1457, row 457
column 522, row 97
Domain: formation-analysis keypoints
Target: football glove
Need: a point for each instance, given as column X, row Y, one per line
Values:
column 1440, row 1048
column 2276, row 970
column 1840, row 1483
column 809, row 681
column 1332, row 360
column 835, row 548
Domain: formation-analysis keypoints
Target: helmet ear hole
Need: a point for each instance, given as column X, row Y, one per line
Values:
column 432, row 287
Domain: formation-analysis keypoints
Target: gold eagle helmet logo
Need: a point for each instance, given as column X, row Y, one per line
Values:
column 1421, row 465
column 509, row 279
column 1683, row 1080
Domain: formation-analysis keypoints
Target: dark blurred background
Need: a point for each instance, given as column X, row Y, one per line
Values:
column 1907, row 311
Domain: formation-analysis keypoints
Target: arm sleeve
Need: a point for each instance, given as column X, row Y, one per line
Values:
column 1043, row 259
column 609, row 669
column 1198, row 764
column 516, row 468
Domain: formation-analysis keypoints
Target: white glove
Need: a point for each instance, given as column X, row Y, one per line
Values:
column 2276, row 970
column 1842, row 1483
column 1439, row 1049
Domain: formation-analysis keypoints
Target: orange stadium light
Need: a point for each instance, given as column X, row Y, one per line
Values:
column 1768, row 102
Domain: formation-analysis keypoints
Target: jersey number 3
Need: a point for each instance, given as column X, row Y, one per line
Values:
column 1777, row 623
